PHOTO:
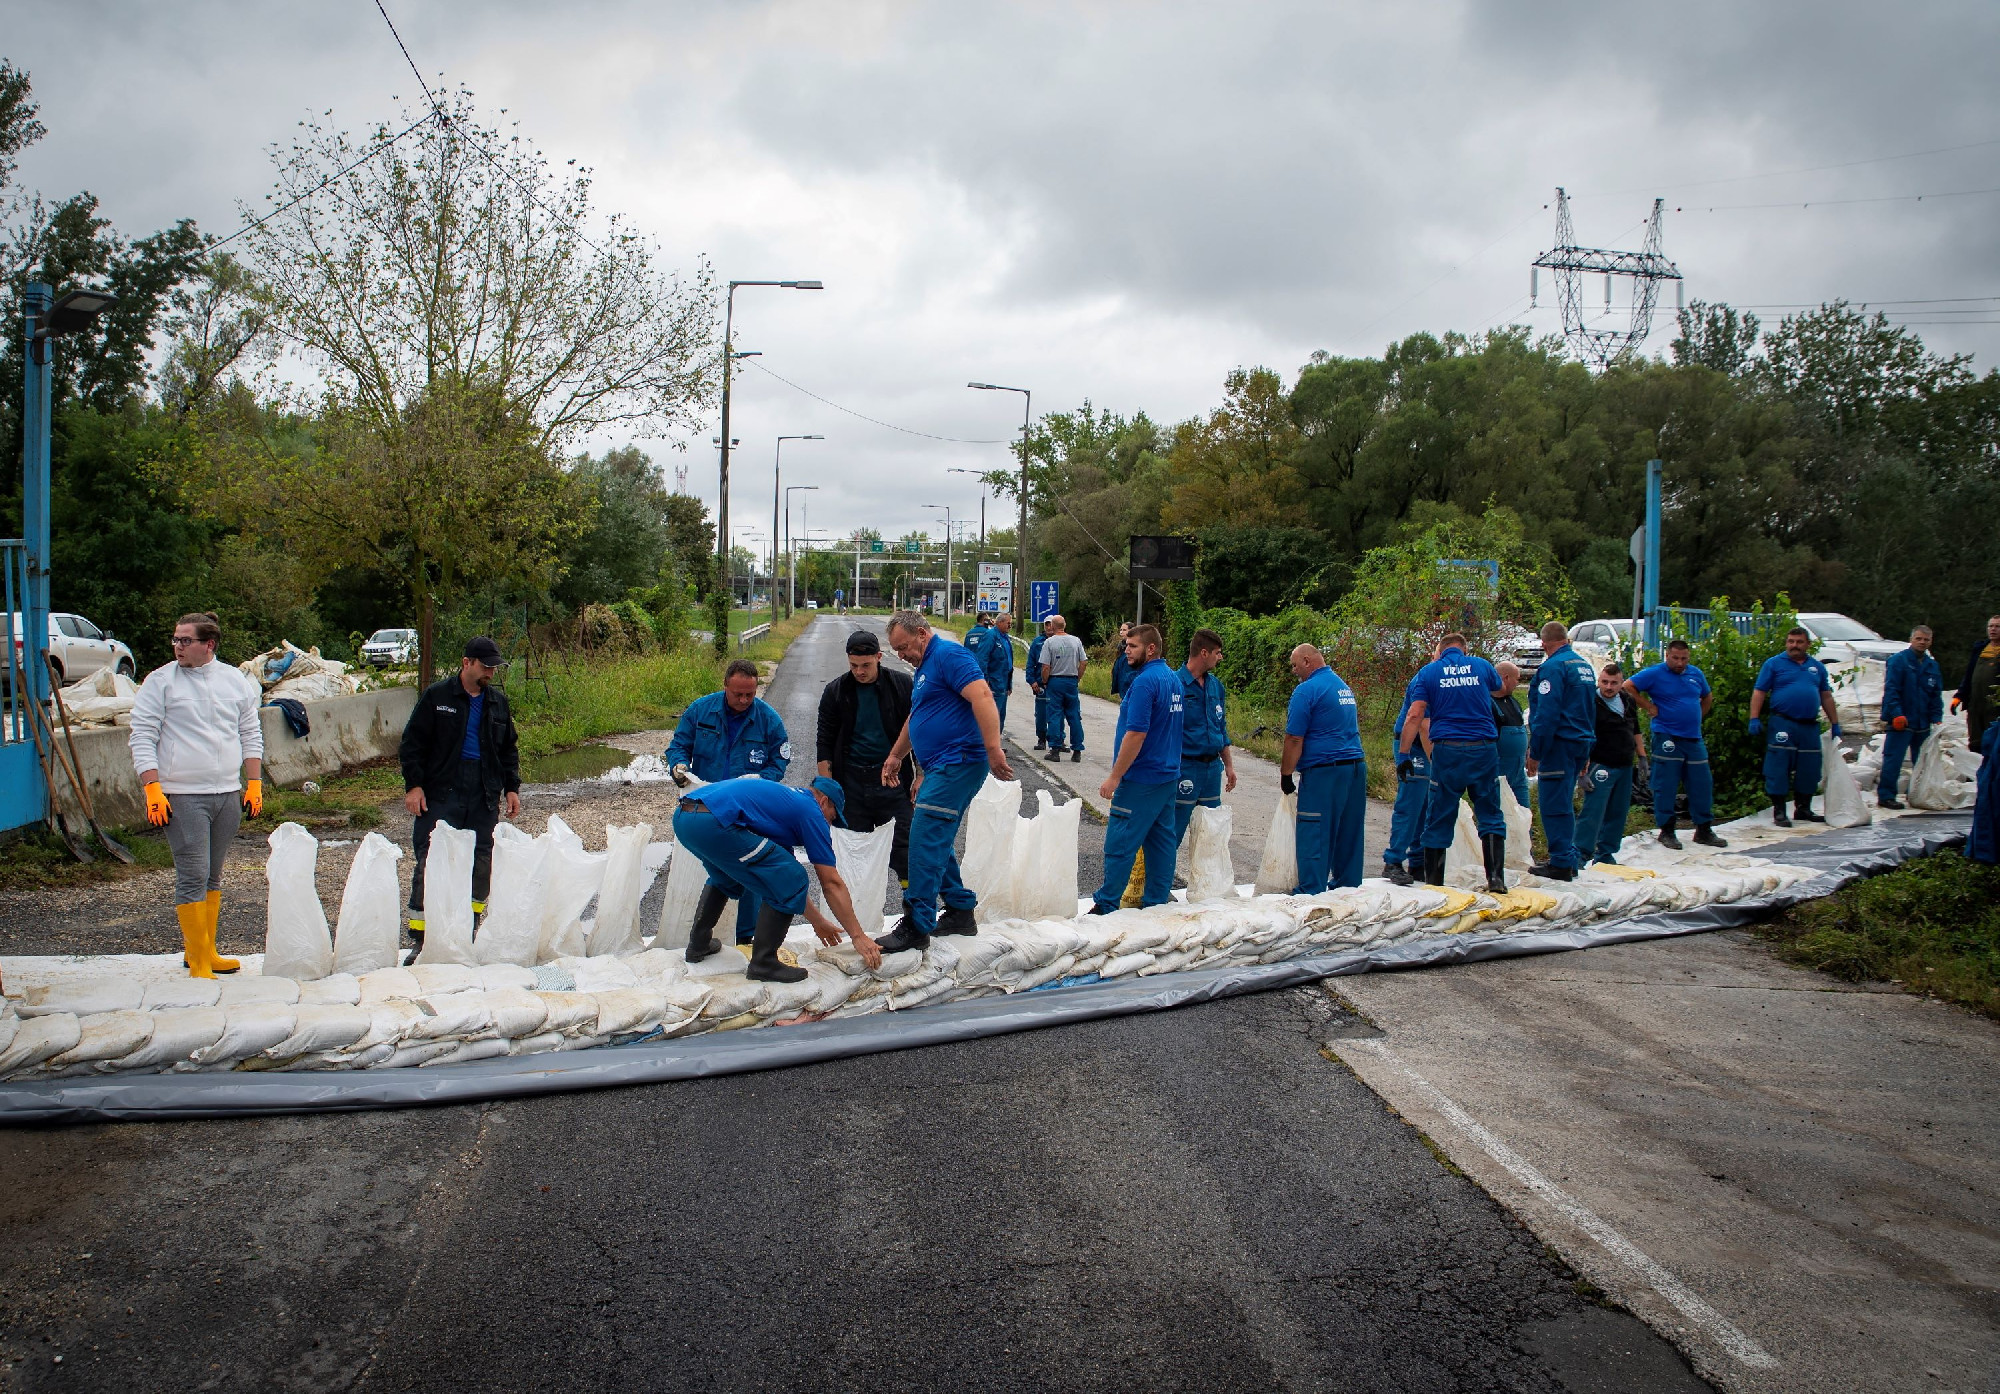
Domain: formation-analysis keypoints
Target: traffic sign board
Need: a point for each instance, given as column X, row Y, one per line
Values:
column 914, row 547
column 1043, row 599
column 875, row 544
column 996, row 573
column 994, row 599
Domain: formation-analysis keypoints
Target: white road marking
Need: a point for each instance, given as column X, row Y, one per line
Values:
column 1716, row 1326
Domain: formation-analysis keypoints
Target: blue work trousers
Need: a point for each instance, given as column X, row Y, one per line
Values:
column 1791, row 758
column 1063, row 703
column 1406, row 824
column 1514, row 761
column 1459, row 767
column 1041, row 717
column 1894, row 746
column 1142, row 815
column 1000, row 703
column 1333, row 814
column 1607, row 801
column 1677, row 759
column 1200, row 787
column 941, row 804
column 1555, row 787
column 745, row 864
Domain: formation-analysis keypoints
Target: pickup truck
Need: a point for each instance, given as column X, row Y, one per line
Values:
column 77, row 648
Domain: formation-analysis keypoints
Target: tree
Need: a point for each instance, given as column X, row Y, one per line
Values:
column 1238, row 467
column 690, row 541
column 626, row 544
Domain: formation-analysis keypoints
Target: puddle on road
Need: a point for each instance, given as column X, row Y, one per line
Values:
column 580, row 762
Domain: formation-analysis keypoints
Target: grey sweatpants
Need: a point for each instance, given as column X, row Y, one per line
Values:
column 199, row 834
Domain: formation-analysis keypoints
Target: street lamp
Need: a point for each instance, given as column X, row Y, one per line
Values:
column 1021, row 541
column 746, row 533
column 722, row 533
column 947, row 554
column 777, row 467
column 954, row 469
column 791, row 556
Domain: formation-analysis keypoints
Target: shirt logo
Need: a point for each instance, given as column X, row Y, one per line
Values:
column 785, row 751
column 1666, row 745
column 1544, row 689
column 1602, row 774
column 1781, row 737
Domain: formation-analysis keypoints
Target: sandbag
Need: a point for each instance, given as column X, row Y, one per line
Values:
column 336, row 990
column 685, row 878
column 1278, row 872
column 448, row 896
column 991, row 823
column 1045, row 859
column 1934, row 783
column 863, row 862
column 297, row 943
column 85, row 997
column 575, row 876
column 511, row 929
column 38, row 1039
column 249, row 1030
column 616, row 929
column 1211, row 875
column 370, row 933
column 1844, row 807
column 1520, row 830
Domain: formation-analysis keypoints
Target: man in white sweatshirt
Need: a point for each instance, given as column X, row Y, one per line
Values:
column 194, row 729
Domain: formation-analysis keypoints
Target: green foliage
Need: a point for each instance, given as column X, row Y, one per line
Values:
column 1932, row 925
column 626, row 543
column 1731, row 661
column 1182, row 619
column 566, row 702
column 1262, row 569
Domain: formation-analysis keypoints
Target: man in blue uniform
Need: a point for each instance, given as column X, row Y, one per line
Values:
column 979, row 643
column 954, row 732
column 1402, row 859
column 1323, row 744
column 999, row 663
column 1206, row 767
column 1794, row 685
column 1038, row 684
column 1121, row 666
column 726, row 734
column 1144, row 775
column 743, row 831
column 1912, row 703
column 1675, row 696
column 1562, row 725
column 1513, row 724
column 1454, row 711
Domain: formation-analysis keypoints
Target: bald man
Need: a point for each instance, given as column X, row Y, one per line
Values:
column 1323, row 746
column 1562, row 726
column 1513, row 732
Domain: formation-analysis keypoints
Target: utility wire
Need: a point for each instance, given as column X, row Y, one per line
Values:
column 873, row 421
column 294, row 202
column 1825, row 202
column 1804, row 169
column 407, row 59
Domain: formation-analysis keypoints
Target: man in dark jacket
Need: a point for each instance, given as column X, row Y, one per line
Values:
column 1912, row 703
column 1974, row 695
column 860, row 715
column 1607, row 779
column 461, row 760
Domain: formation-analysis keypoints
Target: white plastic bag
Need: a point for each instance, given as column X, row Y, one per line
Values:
column 1278, row 872
column 511, row 929
column 992, row 822
column 1464, row 860
column 448, row 896
column 1934, row 783
column 1044, row 862
column 863, row 862
column 1211, row 874
column 1520, row 831
column 685, row 878
column 616, row 929
column 1844, row 808
column 371, row 908
column 296, row 941
column 575, row 877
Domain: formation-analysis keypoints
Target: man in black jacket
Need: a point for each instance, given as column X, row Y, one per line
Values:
column 1607, row 779
column 461, row 759
column 860, row 716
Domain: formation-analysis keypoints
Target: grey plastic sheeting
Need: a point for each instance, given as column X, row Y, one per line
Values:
column 1841, row 857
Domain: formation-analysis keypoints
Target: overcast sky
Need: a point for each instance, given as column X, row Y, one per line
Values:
column 1118, row 202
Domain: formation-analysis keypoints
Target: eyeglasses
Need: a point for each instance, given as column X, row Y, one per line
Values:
column 178, row 640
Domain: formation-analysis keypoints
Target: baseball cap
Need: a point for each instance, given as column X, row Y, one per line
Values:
column 835, row 795
column 863, row 641
column 484, row 650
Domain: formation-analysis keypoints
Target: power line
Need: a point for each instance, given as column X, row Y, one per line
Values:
column 1830, row 202
column 406, row 57
column 373, row 151
column 1804, row 169
column 873, row 421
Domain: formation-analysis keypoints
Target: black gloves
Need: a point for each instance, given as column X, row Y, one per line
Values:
column 1286, row 783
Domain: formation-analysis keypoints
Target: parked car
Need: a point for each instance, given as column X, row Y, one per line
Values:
column 390, row 648
column 1601, row 634
column 77, row 647
column 1842, row 640
column 812, row 604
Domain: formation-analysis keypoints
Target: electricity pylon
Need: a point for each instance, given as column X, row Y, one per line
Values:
column 1645, row 268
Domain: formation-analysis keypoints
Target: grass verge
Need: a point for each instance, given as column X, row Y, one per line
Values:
column 36, row 860
column 1931, row 926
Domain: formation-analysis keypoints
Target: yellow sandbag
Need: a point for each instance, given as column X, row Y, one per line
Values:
column 1456, row 902
column 1624, row 873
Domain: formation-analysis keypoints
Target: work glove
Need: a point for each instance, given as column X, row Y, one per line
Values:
column 1955, row 704
column 1901, row 723
column 1286, row 783
column 683, row 776
column 1404, row 770
column 1756, row 725
column 1836, row 730
column 158, row 810
column 253, row 797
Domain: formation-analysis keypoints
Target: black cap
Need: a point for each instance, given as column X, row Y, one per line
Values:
column 863, row 641
column 484, row 650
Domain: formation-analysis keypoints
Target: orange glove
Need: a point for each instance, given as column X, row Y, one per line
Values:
column 1900, row 723
column 1955, row 704
column 253, row 797
column 158, row 810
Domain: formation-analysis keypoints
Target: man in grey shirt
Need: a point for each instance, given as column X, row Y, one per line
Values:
column 1063, row 662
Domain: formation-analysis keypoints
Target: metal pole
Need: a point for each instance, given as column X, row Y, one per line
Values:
column 777, row 469
column 1021, row 569
column 722, row 569
column 35, row 507
column 1652, row 554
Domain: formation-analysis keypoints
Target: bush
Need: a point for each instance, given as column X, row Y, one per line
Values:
column 1731, row 661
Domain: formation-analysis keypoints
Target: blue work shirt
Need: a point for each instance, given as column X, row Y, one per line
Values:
column 943, row 730
column 1410, row 695
column 1035, row 658
column 717, row 744
column 777, row 811
column 1913, row 687
column 1562, row 707
column 1457, row 690
column 1121, row 672
column 1677, row 696
column 1323, row 711
column 1152, row 707
column 1204, row 715
column 473, row 716
column 1793, row 689
column 979, row 643
column 999, row 661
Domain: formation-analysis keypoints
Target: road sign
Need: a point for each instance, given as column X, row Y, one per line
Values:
column 995, row 600
column 1162, row 559
column 1043, row 599
column 913, row 548
column 875, row 544
column 994, row 574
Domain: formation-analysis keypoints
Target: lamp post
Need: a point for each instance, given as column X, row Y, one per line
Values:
column 947, row 554
column 982, row 513
column 748, row 533
column 722, row 534
column 1021, row 540
column 777, row 469
column 792, row 557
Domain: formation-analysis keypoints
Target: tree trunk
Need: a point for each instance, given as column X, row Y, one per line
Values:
column 426, row 652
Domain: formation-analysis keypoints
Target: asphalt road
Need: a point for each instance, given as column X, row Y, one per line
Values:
column 1198, row 1199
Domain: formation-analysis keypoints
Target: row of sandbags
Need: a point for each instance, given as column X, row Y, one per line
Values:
column 1944, row 776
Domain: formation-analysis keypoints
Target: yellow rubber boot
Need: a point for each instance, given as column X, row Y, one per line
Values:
column 194, row 938
column 217, row 963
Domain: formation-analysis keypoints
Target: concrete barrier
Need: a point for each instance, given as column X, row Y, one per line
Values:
column 345, row 731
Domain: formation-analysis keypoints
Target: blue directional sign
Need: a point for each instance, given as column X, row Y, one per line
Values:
column 1043, row 600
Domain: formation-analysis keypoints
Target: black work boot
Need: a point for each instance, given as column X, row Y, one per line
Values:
column 1778, row 814
column 1433, row 866
column 1076, row 756
column 1667, row 838
column 701, row 935
column 1416, row 869
column 1055, row 754
column 1397, row 874
column 1494, row 845
column 765, row 965
column 906, row 934
column 956, row 921
column 1705, row 835
column 1890, row 802
column 1802, row 811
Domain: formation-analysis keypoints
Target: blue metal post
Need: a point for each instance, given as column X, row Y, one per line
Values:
column 1652, row 554
column 27, row 792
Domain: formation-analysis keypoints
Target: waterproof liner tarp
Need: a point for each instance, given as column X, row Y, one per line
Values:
column 1840, row 857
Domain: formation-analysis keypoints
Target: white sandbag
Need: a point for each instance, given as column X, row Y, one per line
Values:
column 1211, row 875
column 38, row 1039
column 339, row 990
column 606, row 974
column 418, row 1052
column 1935, row 783
column 685, row 878
column 625, row 1010
column 1045, row 859
column 1844, row 807
column 369, row 935
column 461, row 1015
column 1278, row 872
column 88, row 997
column 863, row 862
column 1465, row 860
column 242, row 990
column 297, row 943
column 172, row 994
column 386, row 983
column 516, row 1012
column 616, row 929
column 105, row 1036
column 575, row 877
column 492, row 977
column 437, row 979
column 571, row 1013
column 448, row 896
column 484, row 1049
column 1520, row 832
column 178, row 1032
column 316, row 1029
column 534, row 1045
column 652, row 965
column 511, row 929
column 991, row 823
column 251, row 1029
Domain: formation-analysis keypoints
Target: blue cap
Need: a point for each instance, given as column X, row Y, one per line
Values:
column 835, row 795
